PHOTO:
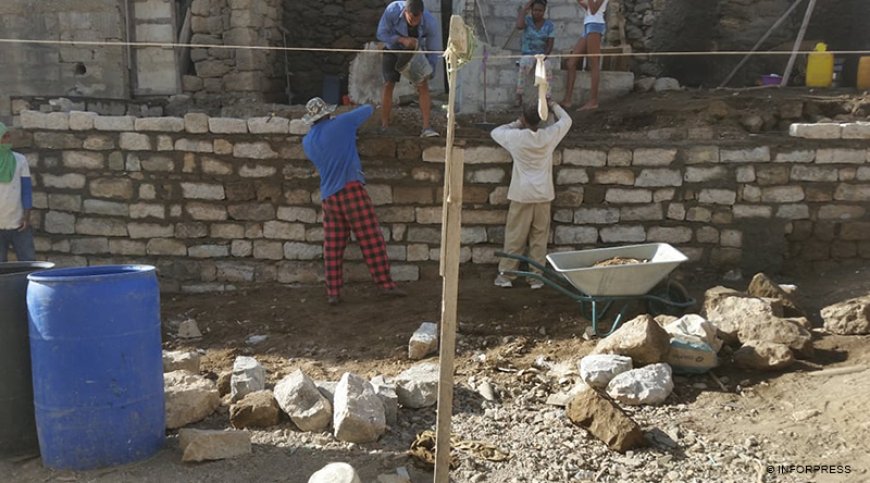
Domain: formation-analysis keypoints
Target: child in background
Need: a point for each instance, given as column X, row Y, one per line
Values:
column 589, row 44
column 538, row 37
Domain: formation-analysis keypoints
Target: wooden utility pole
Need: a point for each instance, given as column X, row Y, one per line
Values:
column 451, row 224
column 797, row 43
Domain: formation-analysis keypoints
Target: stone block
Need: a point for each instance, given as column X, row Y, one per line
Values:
column 119, row 188
column 89, row 246
column 483, row 217
column 302, row 251
column 654, row 156
column 840, row 155
column 782, row 194
column 760, row 154
column 490, row 175
column 101, row 227
column 485, row 155
column 59, row 222
column 856, row 130
column 166, row 246
column 603, row 216
column 205, row 211
column 752, row 211
column 813, row 173
column 81, row 121
column 194, row 145
column 283, row 230
column 150, row 230
column 203, row 191
column 852, row 192
column 841, row 212
column 83, row 160
column 298, row 127
column 619, row 157
column 268, row 125
column 208, row 251
column 256, row 150
column 575, row 235
column 157, row 163
column 126, row 247
column 614, row 176
column 626, row 195
column 669, row 234
column 793, row 212
column 568, row 176
column 102, row 207
column 717, row 196
column 695, row 174
column 64, row 181
column 160, row 124
column 584, row 157
column 269, row 250
column 822, row 130
column 226, row 125
column 114, row 123
column 134, row 142
column 196, row 123
column 641, row 212
column 33, row 119
column 614, row 234
column 702, row 155
column 659, row 177
column 257, row 171
column 147, row 210
column 797, row 156
column 746, row 174
column 98, row 143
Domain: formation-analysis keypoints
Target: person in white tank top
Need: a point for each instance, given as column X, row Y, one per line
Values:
column 590, row 45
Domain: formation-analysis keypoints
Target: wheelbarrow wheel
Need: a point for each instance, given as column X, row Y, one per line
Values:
column 672, row 291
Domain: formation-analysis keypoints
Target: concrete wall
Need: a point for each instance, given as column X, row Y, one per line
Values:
column 156, row 68
column 62, row 70
column 218, row 202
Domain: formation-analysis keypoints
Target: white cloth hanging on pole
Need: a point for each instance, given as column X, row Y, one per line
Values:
column 543, row 86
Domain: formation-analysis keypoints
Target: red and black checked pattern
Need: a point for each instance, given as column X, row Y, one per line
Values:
column 351, row 209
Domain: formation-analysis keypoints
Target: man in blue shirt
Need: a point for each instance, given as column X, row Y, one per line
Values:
column 405, row 27
column 331, row 146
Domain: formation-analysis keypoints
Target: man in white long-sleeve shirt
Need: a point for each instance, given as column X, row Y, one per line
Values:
column 531, row 189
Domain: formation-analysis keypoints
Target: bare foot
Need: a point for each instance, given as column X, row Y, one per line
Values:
column 589, row 106
column 566, row 104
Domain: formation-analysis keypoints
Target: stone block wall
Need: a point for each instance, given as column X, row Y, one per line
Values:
column 219, row 202
column 226, row 75
column 31, row 69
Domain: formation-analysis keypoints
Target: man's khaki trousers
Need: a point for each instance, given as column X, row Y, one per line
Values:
column 526, row 222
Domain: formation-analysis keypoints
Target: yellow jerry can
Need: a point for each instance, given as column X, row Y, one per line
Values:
column 863, row 81
column 820, row 67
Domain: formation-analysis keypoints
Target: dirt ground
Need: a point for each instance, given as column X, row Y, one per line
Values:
column 368, row 336
column 732, row 113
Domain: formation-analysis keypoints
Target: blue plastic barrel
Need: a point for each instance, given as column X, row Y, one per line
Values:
column 97, row 365
column 17, row 426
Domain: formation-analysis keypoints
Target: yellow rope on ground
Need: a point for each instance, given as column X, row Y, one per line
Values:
column 423, row 450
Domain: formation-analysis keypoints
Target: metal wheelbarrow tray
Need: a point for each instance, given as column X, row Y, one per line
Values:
column 575, row 275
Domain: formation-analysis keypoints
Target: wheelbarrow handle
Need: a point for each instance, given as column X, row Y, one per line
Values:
column 521, row 258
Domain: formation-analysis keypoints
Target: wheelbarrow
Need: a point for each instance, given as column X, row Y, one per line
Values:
column 598, row 289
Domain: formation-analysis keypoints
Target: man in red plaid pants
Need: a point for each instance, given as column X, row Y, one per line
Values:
column 331, row 146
